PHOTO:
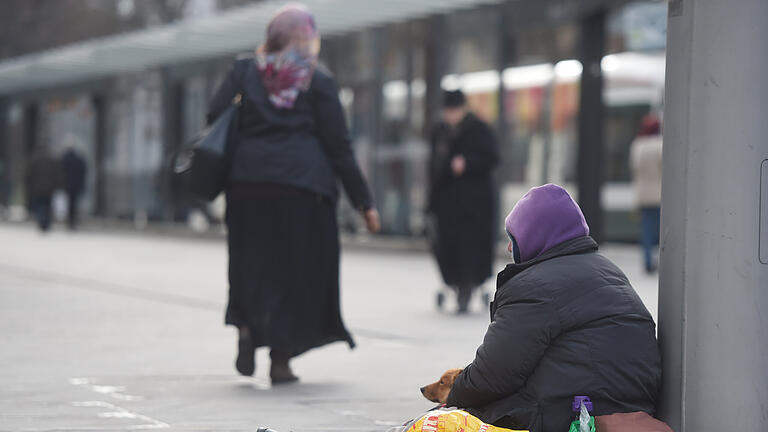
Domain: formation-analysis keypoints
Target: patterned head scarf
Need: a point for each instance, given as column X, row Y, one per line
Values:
column 288, row 58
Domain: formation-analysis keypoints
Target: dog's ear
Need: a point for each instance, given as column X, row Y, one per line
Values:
column 451, row 375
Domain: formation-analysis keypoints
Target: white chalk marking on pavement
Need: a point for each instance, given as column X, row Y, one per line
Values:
column 122, row 413
column 116, row 412
column 116, row 392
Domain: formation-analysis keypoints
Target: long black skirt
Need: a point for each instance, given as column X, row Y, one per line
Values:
column 284, row 267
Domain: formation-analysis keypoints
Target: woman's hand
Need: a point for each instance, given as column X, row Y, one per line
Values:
column 372, row 220
column 458, row 165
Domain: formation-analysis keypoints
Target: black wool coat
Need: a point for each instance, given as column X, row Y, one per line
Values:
column 463, row 206
column 564, row 324
column 74, row 169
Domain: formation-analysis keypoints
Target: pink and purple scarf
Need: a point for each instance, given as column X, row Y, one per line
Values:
column 288, row 59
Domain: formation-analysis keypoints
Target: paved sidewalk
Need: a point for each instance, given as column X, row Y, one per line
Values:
column 110, row 331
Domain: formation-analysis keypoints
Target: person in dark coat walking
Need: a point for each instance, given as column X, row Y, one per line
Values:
column 565, row 322
column 74, row 169
column 43, row 177
column 290, row 147
column 462, row 197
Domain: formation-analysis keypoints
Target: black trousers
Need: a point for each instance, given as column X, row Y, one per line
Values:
column 40, row 206
column 73, row 200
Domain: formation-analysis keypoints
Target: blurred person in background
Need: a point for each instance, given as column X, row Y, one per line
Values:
column 74, row 168
column 461, row 198
column 291, row 146
column 646, row 164
column 43, row 178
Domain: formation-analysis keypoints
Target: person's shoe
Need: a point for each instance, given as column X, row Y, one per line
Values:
column 463, row 298
column 280, row 372
column 246, row 361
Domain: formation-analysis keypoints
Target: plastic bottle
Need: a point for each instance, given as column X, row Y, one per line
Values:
column 584, row 421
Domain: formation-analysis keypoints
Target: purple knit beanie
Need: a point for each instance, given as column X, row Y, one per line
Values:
column 545, row 217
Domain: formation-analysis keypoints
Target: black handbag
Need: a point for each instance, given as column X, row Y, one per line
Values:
column 205, row 163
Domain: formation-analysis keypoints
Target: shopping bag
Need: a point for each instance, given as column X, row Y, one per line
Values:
column 205, row 163
column 450, row 420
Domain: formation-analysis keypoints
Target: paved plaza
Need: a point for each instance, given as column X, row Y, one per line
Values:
column 106, row 331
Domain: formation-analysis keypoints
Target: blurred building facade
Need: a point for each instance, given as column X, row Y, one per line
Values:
column 521, row 64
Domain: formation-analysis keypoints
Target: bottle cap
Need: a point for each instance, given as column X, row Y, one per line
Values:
column 578, row 400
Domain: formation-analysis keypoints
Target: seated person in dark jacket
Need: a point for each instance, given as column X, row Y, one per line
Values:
column 565, row 321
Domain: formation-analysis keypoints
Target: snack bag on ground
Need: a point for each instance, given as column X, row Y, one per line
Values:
column 450, row 420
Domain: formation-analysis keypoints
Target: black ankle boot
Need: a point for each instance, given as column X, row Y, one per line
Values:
column 280, row 371
column 246, row 360
column 463, row 298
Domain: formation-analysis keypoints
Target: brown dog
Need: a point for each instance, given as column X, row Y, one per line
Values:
column 438, row 392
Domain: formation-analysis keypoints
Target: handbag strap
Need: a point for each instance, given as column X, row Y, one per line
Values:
column 237, row 100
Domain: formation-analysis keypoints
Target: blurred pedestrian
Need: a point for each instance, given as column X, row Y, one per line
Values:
column 646, row 162
column 74, row 169
column 43, row 178
column 291, row 146
column 461, row 198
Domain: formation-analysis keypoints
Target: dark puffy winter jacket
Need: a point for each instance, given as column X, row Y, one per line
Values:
column 307, row 146
column 563, row 324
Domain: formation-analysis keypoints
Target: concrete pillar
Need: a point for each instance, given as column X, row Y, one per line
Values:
column 591, row 112
column 713, row 296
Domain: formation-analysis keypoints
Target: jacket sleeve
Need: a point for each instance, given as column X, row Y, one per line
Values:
column 225, row 93
column 334, row 137
column 512, row 348
column 485, row 151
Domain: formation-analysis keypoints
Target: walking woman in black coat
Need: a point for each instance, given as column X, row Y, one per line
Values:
column 290, row 148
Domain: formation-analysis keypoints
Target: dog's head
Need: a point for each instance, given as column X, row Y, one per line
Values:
column 438, row 392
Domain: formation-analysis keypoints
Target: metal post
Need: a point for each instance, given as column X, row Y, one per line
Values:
column 31, row 123
column 713, row 296
column 436, row 54
column 376, row 57
column 503, row 57
column 4, row 157
column 409, row 66
column 172, row 137
column 99, row 102
column 590, row 151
